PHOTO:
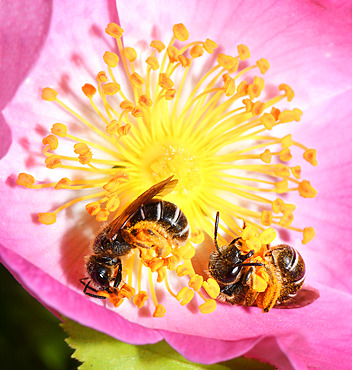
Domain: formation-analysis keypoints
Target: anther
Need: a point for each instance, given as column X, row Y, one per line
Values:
column 153, row 62
column 25, row 180
column 89, row 90
column 243, row 52
column 288, row 91
column 226, row 61
column 158, row 45
column 208, row 306
column 137, row 79
column 53, row 161
column 159, row 311
column 210, row 46
column 111, row 88
column 101, row 77
column 263, row 65
column 140, row 298
column 265, row 156
column 212, row 288
column 111, row 59
column 52, row 141
column 196, row 282
column 59, row 129
column 268, row 120
column 196, row 51
column 296, row 171
column 306, row 190
column 267, row 236
column 102, row 215
column 266, row 218
column 310, row 156
column 47, row 218
column 173, row 54
column 114, row 30
column 185, row 295
column 130, row 53
column 285, row 155
column 308, row 234
column 180, row 32
column 49, row 94
column 64, row 183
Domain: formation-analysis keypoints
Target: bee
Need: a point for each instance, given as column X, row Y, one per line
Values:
column 235, row 273
column 145, row 223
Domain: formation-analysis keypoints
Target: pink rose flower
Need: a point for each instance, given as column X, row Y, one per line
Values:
column 308, row 45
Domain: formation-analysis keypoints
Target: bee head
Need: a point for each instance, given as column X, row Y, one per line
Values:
column 101, row 270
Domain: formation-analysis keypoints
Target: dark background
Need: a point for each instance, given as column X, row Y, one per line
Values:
column 30, row 336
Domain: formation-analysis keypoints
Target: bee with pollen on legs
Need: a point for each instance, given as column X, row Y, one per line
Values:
column 154, row 226
column 280, row 272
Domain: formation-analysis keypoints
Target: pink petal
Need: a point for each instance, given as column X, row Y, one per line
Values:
column 23, row 28
column 290, row 36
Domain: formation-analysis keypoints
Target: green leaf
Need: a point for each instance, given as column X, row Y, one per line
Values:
column 99, row 351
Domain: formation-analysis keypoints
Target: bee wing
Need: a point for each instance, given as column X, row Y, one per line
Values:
column 160, row 189
column 304, row 297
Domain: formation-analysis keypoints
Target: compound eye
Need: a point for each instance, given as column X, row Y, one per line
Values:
column 101, row 276
column 233, row 275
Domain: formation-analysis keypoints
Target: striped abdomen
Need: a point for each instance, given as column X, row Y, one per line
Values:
column 289, row 268
column 166, row 214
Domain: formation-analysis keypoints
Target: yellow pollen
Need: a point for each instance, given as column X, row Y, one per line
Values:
column 89, row 90
column 114, row 30
column 259, row 284
column 212, row 288
column 196, row 282
column 111, row 59
column 226, row 61
column 267, row 236
column 180, row 32
column 310, row 156
column 308, row 234
column 25, row 180
column 185, row 295
column 59, row 129
column 266, row 218
column 53, row 161
column 306, row 190
column 209, row 46
column 131, row 54
column 111, row 88
column 153, row 62
column 64, row 183
column 196, row 51
column 49, row 94
column 285, row 155
column 263, row 65
column 158, row 45
column 159, row 311
column 101, row 77
column 288, row 91
column 47, row 218
column 140, row 298
column 208, row 306
column 243, row 52
column 173, row 54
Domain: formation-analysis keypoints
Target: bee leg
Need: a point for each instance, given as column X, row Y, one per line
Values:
column 87, row 286
column 118, row 277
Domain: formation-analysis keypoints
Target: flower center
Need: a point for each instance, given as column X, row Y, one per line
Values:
column 217, row 136
column 172, row 159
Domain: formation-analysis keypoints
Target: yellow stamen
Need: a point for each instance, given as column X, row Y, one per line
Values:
column 215, row 135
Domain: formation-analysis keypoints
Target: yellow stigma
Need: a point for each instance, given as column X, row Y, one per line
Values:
column 216, row 133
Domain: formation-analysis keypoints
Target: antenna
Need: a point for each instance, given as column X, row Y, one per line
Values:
column 216, row 231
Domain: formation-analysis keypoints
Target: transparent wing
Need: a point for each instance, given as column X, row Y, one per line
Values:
column 304, row 297
column 158, row 190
